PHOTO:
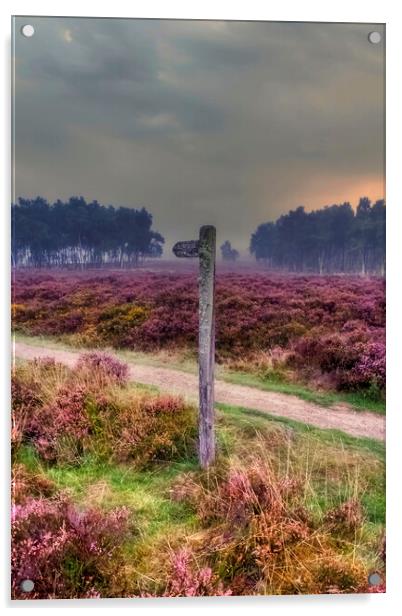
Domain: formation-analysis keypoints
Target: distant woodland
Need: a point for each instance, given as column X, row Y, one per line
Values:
column 78, row 234
column 333, row 239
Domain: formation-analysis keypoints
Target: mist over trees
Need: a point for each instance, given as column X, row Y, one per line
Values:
column 336, row 238
column 228, row 253
column 80, row 234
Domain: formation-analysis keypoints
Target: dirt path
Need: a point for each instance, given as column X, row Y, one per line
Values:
column 356, row 423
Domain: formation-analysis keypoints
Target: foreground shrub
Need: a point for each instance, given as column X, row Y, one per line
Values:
column 260, row 538
column 65, row 552
column 26, row 484
column 36, row 382
column 142, row 428
column 87, row 414
column 107, row 366
column 47, row 408
column 25, row 400
column 346, row 519
column 187, row 579
column 59, row 430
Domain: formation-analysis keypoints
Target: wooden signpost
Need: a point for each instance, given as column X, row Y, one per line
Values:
column 205, row 249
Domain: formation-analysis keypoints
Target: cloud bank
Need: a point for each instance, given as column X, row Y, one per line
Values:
column 225, row 123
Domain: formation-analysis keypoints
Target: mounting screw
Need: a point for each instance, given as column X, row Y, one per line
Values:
column 27, row 30
column 374, row 37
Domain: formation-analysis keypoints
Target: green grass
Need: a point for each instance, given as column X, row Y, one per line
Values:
column 154, row 517
column 186, row 362
column 328, row 398
column 51, row 342
column 330, row 436
column 332, row 466
column 352, row 462
column 145, row 492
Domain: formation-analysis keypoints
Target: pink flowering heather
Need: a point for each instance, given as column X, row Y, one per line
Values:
column 370, row 368
column 25, row 400
column 187, row 580
column 62, row 550
column 258, row 533
column 59, row 429
column 105, row 364
column 326, row 323
column 347, row 518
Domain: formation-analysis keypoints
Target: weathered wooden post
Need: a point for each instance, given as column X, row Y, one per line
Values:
column 206, row 345
column 205, row 249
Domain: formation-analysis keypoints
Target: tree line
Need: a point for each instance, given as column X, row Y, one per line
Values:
column 336, row 238
column 75, row 233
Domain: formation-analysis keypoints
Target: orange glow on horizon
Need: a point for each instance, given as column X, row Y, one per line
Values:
column 340, row 191
column 315, row 192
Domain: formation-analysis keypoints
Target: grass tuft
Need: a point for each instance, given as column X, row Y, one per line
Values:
column 287, row 508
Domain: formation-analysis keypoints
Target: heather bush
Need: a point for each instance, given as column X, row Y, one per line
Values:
column 87, row 414
column 107, row 366
column 26, row 483
column 241, row 492
column 59, row 430
column 331, row 353
column 142, row 428
column 116, row 323
column 258, row 531
column 370, row 368
column 346, row 519
column 187, row 579
column 25, row 399
column 353, row 363
column 47, row 409
column 327, row 323
column 66, row 553
column 41, row 376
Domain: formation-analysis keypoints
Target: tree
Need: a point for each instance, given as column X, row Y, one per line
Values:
column 229, row 253
column 362, row 231
column 80, row 234
column 331, row 239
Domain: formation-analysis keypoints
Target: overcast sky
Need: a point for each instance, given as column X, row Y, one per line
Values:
column 225, row 123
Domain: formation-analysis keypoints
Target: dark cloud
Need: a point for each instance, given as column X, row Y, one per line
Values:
column 223, row 122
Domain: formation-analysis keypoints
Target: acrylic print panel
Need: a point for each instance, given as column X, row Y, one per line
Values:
column 198, row 308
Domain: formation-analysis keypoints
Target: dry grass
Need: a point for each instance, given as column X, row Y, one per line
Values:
column 266, row 531
column 68, row 414
column 282, row 511
column 265, row 364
